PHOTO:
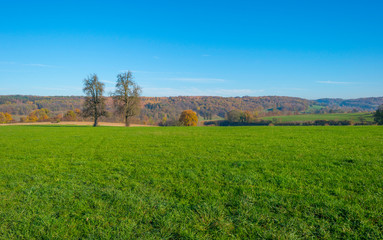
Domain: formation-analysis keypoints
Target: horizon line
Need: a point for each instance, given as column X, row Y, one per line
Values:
column 32, row 95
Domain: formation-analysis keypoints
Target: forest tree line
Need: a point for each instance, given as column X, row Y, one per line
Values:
column 155, row 110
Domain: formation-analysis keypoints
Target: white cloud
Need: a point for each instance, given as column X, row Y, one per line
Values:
column 236, row 92
column 38, row 65
column 198, row 80
column 52, row 89
column 58, row 88
column 108, row 82
column 333, row 82
column 295, row 89
column 149, row 72
column 9, row 71
column 156, row 57
column 205, row 55
column 199, row 92
column 109, row 90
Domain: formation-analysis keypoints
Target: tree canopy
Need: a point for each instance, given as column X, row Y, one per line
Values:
column 378, row 116
column 189, row 118
column 126, row 98
column 94, row 103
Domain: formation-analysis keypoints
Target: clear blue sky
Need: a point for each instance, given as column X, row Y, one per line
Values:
column 310, row 49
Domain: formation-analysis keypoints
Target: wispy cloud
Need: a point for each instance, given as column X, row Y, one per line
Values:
column 59, row 88
column 154, row 72
column 39, row 65
column 205, row 55
column 109, row 90
column 199, row 92
column 156, row 57
column 295, row 89
column 237, row 92
column 28, row 64
column 106, row 81
column 52, row 88
column 9, row 71
column 333, row 82
column 198, row 80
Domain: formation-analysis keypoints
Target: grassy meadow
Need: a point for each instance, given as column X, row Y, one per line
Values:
column 191, row 183
column 356, row 117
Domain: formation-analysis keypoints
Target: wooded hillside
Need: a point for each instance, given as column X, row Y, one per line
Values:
column 155, row 109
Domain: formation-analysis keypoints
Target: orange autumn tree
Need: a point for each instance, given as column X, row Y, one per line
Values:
column 189, row 118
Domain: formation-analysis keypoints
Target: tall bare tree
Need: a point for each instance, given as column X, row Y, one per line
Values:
column 94, row 104
column 126, row 98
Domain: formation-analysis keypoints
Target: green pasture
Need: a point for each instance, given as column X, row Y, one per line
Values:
column 76, row 182
column 356, row 117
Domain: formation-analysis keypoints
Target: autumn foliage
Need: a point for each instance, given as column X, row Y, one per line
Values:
column 40, row 115
column 5, row 117
column 189, row 118
column 2, row 118
column 70, row 116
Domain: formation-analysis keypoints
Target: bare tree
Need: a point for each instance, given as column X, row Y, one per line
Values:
column 126, row 98
column 94, row 104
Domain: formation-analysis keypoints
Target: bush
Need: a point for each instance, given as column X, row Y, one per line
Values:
column 331, row 123
column 234, row 116
column 226, row 123
column 169, row 123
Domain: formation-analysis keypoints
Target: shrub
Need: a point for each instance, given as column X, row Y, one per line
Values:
column 169, row 123
column 234, row 116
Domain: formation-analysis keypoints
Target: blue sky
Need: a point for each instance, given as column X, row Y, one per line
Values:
column 309, row 49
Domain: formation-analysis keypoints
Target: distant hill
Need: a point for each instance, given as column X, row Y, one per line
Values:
column 154, row 109
column 364, row 104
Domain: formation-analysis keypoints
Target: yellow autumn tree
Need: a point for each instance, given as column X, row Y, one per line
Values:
column 70, row 116
column 8, row 117
column 32, row 118
column 2, row 118
column 189, row 118
column 248, row 116
column 40, row 115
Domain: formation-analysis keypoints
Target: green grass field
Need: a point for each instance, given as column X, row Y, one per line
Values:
column 331, row 116
column 191, row 183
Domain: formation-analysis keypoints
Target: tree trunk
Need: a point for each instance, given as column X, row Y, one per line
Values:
column 127, row 123
column 95, row 122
